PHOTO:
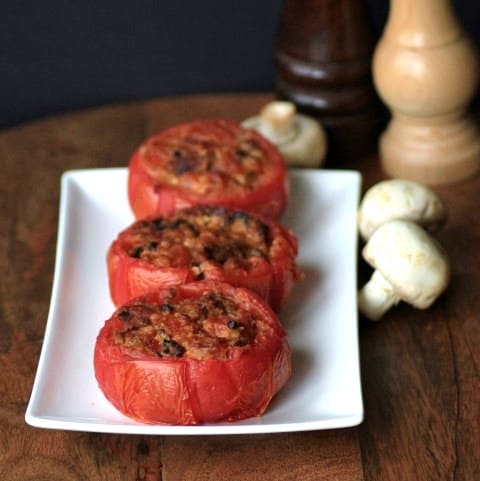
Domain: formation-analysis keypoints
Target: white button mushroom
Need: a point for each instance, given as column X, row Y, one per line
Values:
column 300, row 139
column 400, row 199
column 409, row 264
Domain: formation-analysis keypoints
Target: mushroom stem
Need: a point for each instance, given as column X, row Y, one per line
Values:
column 278, row 118
column 376, row 297
column 300, row 138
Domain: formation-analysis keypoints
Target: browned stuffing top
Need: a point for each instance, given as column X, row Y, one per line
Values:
column 206, row 327
column 232, row 239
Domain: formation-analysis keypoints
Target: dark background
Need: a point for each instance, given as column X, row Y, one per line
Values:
column 57, row 56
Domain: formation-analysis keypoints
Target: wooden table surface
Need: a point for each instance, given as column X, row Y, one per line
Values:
column 420, row 369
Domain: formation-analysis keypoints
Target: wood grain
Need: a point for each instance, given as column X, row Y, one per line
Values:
column 420, row 369
column 306, row 456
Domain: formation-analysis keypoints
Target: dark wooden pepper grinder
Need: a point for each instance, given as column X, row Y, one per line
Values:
column 323, row 56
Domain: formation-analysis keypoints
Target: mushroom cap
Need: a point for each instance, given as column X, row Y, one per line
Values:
column 411, row 260
column 300, row 138
column 308, row 147
column 400, row 199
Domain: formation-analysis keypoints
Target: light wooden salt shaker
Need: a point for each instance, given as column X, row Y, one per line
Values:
column 426, row 71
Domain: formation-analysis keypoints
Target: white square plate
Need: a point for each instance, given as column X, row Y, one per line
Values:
column 320, row 316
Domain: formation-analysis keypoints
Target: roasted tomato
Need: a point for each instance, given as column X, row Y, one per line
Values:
column 215, row 162
column 203, row 242
column 197, row 353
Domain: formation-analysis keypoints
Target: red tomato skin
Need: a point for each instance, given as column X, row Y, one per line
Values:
column 130, row 277
column 147, row 197
column 141, row 388
column 189, row 391
column 285, row 273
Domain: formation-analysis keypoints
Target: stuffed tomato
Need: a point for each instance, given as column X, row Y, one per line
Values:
column 216, row 162
column 201, row 352
column 203, row 242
